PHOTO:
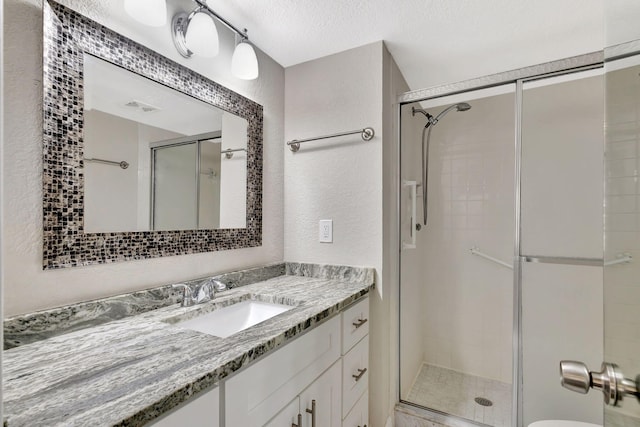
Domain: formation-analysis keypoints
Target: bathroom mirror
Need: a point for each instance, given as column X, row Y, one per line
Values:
column 157, row 159
column 176, row 200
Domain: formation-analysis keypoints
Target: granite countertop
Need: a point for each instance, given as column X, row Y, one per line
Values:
column 127, row 372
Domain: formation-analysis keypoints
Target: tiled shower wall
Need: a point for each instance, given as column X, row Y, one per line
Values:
column 465, row 302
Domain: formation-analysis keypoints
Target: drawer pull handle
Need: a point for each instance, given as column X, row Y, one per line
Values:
column 360, row 322
column 312, row 411
column 360, row 374
column 299, row 422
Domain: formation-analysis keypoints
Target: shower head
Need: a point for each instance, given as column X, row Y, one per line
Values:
column 463, row 106
column 432, row 121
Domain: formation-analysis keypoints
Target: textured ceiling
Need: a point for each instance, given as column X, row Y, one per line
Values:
column 433, row 41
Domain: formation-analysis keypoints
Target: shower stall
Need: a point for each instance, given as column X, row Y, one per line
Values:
column 501, row 236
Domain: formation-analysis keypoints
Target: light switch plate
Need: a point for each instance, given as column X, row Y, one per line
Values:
column 326, row 231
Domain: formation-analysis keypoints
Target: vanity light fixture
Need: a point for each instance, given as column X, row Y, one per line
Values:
column 244, row 63
column 148, row 12
column 196, row 33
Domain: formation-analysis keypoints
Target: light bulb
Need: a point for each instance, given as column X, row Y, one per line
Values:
column 148, row 12
column 202, row 35
column 244, row 64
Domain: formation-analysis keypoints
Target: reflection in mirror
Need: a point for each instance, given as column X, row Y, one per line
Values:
column 157, row 159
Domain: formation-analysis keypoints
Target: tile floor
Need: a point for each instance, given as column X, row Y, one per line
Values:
column 454, row 392
column 614, row 418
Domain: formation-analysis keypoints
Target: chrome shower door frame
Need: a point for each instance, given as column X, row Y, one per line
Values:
column 518, row 78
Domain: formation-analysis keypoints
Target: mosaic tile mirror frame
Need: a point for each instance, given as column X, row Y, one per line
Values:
column 67, row 36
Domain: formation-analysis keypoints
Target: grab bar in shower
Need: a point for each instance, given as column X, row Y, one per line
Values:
column 412, row 185
column 476, row 251
column 366, row 134
column 624, row 258
column 122, row 164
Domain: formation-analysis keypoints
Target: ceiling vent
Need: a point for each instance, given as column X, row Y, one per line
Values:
column 142, row 106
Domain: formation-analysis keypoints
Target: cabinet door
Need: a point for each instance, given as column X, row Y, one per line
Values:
column 327, row 393
column 258, row 393
column 286, row 417
column 359, row 415
column 203, row 411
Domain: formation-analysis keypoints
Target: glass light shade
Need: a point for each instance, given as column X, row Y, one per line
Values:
column 244, row 63
column 202, row 35
column 148, row 12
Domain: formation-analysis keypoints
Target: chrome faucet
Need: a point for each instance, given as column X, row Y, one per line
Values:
column 200, row 293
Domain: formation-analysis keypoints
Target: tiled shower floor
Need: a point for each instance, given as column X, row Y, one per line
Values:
column 454, row 392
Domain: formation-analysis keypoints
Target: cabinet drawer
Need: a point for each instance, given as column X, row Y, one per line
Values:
column 202, row 411
column 355, row 324
column 260, row 391
column 355, row 374
column 359, row 415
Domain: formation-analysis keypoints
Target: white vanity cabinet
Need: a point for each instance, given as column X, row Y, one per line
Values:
column 328, row 366
column 203, row 411
column 318, row 405
column 355, row 365
column 359, row 414
column 260, row 392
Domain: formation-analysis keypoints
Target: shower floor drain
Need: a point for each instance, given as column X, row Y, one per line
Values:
column 483, row 401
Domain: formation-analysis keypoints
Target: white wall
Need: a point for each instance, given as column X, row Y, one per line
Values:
column 26, row 286
column 621, row 21
column 342, row 179
column 111, row 197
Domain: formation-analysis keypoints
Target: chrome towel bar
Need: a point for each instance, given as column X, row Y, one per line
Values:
column 367, row 134
column 122, row 164
column 228, row 153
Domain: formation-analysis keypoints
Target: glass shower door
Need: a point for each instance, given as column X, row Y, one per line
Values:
column 175, row 187
column 622, row 231
column 561, row 241
column 456, row 306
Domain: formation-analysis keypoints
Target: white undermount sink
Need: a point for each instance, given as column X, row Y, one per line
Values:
column 234, row 318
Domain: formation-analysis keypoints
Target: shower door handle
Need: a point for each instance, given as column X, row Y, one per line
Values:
column 575, row 376
column 413, row 186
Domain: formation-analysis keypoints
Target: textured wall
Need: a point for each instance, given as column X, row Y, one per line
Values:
column 26, row 286
column 342, row 179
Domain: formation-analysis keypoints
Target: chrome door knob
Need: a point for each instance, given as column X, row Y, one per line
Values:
column 575, row 376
